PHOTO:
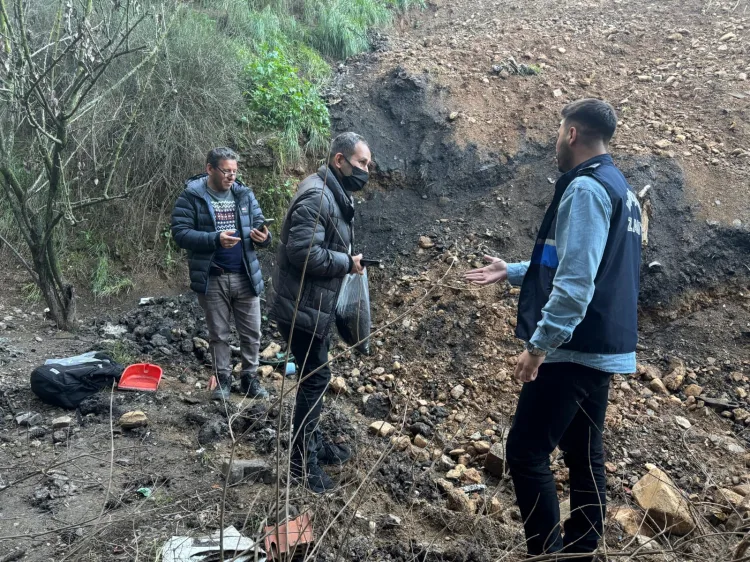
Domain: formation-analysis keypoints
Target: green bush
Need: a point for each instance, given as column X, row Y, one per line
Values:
column 279, row 99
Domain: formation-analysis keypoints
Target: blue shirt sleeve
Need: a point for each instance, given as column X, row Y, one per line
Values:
column 516, row 273
column 583, row 219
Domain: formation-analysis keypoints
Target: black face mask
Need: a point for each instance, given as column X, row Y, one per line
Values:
column 357, row 181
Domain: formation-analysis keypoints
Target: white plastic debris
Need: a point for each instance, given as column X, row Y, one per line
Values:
column 644, row 191
column 195, row 549
column 146, row 300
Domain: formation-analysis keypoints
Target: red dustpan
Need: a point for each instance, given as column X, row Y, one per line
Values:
column 140, row 376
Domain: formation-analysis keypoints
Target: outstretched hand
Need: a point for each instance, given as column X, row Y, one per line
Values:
column 496, row 271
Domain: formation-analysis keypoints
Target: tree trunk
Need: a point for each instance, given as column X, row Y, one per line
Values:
column 58, row 293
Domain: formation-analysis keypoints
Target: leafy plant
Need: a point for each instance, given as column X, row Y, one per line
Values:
column 279, row 99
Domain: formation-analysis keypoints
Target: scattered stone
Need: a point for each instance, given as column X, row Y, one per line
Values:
column 420, row 441
column 453, row 116
column 457, row 392
column 649, row 372
column 132, row 420
column 459, row 501
column 482, row 447
column 693, row 390
column 61, row 422
column 632, row 522
column 657, row 386
column 425, row 242
column 742, row 489
column 28, row 419
column 557, row 93
column 338, row 385
column 200, row 343
column 417, row 454
column 251, row 470
column 676, row 377
column 675, row 37
column 377, row 406
column 663, row 144
column 391, row 521
column 270, row 351
column 456, row 472
column 664, row 502
column 457, row 452
column 471, row 476
column 445, row 463
column 727, row 37
column 264, row 370
column 494, row 464
column 684, row 423
column 400, row 442
column 382, row 428
column 59, row 436
column 740, row 415
column 724, row 496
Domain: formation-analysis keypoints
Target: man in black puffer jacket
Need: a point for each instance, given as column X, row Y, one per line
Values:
column 313, row 258
column 219, row 222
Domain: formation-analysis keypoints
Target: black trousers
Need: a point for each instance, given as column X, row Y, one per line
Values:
column 565, row 406
column 309, row 354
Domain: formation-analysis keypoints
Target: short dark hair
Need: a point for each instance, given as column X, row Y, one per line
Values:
column 596, row 119
column 345, row 143
column 216, row 155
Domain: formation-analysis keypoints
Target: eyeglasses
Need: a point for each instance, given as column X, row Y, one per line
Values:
column 228, row 173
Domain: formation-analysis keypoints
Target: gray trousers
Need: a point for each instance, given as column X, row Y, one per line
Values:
column 232, row 293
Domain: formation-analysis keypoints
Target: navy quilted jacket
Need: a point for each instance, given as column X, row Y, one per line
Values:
column 194, row 229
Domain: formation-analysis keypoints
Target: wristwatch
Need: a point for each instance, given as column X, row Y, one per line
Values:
column 534, row 350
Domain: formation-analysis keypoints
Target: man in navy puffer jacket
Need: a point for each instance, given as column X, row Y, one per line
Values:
column 219, row 222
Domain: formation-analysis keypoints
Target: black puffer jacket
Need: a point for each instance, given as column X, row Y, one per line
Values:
column 329, row 261
column 194, row 229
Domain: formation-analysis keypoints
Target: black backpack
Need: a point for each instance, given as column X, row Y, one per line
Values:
column 68, row 385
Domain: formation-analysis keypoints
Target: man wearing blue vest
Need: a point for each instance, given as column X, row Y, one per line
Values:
column 577, row 314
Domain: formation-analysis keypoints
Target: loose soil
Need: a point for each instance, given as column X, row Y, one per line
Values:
column 474, row 184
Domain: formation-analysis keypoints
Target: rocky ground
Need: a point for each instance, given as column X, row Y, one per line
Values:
column 464, row 163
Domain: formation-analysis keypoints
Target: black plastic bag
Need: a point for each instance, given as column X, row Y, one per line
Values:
column 353, row 319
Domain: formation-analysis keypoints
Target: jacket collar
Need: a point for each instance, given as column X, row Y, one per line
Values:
column 198, row 185
column 342, row 198
column 590, row 164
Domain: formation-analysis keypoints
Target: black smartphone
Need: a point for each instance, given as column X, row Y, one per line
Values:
column 369, row 263
column 266, row 223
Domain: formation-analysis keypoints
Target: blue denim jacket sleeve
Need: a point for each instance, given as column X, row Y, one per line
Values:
column 516, row 273
column 581, row 235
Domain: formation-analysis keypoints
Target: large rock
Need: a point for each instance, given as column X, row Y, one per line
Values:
column 664, row 503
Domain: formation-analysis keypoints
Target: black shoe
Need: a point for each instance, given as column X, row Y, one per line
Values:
column 250, row 386
column 223, row 388
column 315, row 479
column 331, row 453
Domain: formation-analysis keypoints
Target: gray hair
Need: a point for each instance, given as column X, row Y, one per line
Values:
column 216, row 155
column 345, row 144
